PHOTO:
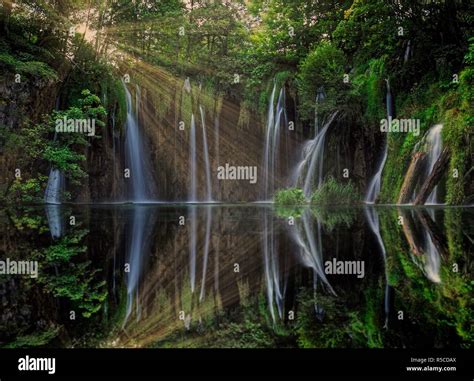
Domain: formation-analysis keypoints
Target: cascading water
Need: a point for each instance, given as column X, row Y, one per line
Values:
column 312, row 161
column 52, row 197
column 435, row 143
column 374, row 186
column 55, row 187
column 135, row 155
column 407, row 54
column 275, row 290
column 432, row 259
column 192, row 198
column 374, row 224
column 54, row 217
column 140, row 176
column 272, row 141
column 209, row 198
column 206, row 251
column 141, row 229
column 310, row 244
column 192, row 162
column 206, row 156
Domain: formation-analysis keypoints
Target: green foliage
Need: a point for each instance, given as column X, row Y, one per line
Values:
column 63, row 153
column 375, row 109
column 365, row 327
column 368, row 30
column 32, row 68
column 290, row 197
column 331, row 218
column 67, row 277
column 321, row 68
column 330, row 332
column 335, row 193
column 39, row 339
column 28, row 191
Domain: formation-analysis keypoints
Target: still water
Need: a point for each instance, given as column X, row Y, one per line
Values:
column 238, row 276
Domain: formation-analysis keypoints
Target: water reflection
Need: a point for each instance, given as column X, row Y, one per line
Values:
column 261, row 274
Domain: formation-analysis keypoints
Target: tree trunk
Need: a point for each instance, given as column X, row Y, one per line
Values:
column 409, row 230
column 434, row 177
column 436, row 235
column 411, row 178
column 7, row 11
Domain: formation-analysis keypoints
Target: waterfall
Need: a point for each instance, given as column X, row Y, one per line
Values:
column 312, row 160
column 406, row 56
column 53, row 195
column 138, row 244
column 193, row 247
column 374, row 224
column 206, row 156
column 141, row 180
column 192, row 162
column 209, row 198
column 272, row 141
column 432, row 259
column 275, row 290
column 135, row 155
column 374, row 186
column 55, row 187
column 206, row 251
column 310, row 244
column 55, row 223
column 435, row 144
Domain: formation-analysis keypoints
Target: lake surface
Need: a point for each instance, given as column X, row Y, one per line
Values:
column 250, row 275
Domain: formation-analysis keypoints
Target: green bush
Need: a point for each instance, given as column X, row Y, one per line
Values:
column 335, row 193
column 323, row 67
column 292, row 196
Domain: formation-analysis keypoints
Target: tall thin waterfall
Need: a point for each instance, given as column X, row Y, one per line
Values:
column 435, row 144
column 192, row 197
column 140, row 176
column 192, row 162
column 374, row 186
column 55, row 187
column 374, row 224
column 272, row 141
column 207, row 243
column 206, row 156
column 53, row 197
column 138, row 243
column 135, row 155
column 276, row 288
column 432, row 259
column 193, row 246
column 407, row 54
